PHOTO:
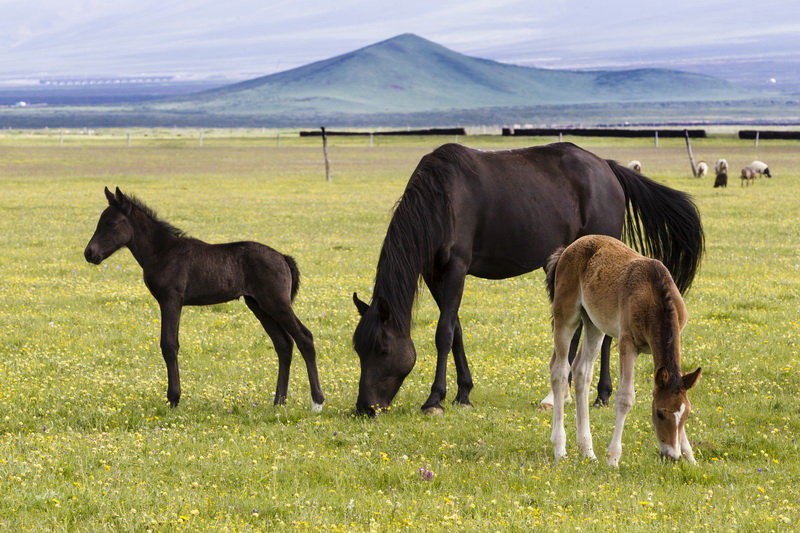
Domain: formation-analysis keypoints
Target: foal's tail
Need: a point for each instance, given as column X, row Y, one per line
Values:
column 550, row 271
column 662, row 223
column 295, row 274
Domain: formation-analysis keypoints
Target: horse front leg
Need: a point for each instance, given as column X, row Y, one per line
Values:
column 170, row 320
column 463, row 374
column 446, row 289
column 625, row 397
column 604, row 387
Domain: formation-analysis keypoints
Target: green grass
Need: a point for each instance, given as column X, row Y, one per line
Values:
column 87, row 442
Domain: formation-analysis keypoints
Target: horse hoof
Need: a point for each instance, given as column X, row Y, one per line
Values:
column 545, row 406
column 433, row 410
column 600, row 402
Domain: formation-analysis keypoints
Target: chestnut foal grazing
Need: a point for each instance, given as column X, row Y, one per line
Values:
column 618, row 292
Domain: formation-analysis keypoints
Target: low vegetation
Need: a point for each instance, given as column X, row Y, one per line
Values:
column 87, row 442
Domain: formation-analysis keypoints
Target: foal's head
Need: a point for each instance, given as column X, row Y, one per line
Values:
column 671, row 408
column 114, row 229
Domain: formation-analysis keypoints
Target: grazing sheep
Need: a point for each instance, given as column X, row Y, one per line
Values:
column 748, row 174
column 721, row 166
column 636, row 166
column 722, row 180
column 761, row 168
column 702, row 169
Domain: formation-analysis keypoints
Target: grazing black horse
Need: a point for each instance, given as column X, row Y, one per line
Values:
column 179, row 270
column 496, row 215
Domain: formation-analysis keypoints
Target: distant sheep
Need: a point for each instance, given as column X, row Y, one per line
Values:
column 748, row 175
column 702, row 169
column 761, row 168
column 722, row 180
column 636, row 166
column 721, row 166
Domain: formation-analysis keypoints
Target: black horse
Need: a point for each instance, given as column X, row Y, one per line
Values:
column 179, row 270
column 496, row 215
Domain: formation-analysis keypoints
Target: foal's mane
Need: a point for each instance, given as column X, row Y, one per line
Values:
column 421, row 221
column 669, row 319
column 150, row 213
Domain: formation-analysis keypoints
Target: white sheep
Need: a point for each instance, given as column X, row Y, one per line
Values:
column 748, row 174
column 702, row 169
column 636, row 166
column 721, row 166
column 761, row 168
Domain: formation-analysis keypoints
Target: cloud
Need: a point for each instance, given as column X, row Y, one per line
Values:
column 207, row 37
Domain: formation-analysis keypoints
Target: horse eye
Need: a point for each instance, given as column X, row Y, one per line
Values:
column 660, row 415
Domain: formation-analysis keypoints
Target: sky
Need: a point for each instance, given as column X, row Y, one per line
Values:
column 238, row 39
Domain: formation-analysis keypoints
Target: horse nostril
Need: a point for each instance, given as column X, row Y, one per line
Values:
column 91, row 257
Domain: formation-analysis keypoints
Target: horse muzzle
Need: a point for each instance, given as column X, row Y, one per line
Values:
column 92, row 256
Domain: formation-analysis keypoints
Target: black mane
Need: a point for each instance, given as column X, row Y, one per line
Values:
column 147, row 210
column 421, row 222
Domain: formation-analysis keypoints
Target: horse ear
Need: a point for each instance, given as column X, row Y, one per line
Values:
column 662, row 377
column 110, row 197
column 690, row 380
column 361, row 306
column 123, row 202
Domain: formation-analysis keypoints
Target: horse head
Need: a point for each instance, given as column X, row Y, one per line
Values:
column 114, row 229
column 670, row 410
column 387, row 356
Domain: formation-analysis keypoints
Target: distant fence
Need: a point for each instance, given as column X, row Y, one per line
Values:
column 599, row 132
column 431, row 131
column 767, row 134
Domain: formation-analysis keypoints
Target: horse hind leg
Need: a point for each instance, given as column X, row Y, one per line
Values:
column 283, row 344
column 559, row 371
column 604, row 386
column 547, row 403
column 284, row 316
column 582, row 370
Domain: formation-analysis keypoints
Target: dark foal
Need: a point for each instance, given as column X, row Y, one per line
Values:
column 179, row 270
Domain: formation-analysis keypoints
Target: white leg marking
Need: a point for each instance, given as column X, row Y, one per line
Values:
column 624, row 400
column 316, row 407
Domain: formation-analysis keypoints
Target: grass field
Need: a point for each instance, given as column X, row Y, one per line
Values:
column 87, row 442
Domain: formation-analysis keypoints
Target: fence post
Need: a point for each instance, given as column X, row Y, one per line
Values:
column 278, row 139
column 691, row 156
column 371, row 139
column 757, row 132
column 61, row 139
column 200, row 140
column 325, row 154
column 128, row 139
column 656, row 138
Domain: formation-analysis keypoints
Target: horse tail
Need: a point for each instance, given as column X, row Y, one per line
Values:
column 550, row 271
column 662, row 223
column 295, row 274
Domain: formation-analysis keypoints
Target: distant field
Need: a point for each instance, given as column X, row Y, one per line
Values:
column 770, row 110
column 87, row 442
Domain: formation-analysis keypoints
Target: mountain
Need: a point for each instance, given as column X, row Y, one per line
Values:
column 409, row 74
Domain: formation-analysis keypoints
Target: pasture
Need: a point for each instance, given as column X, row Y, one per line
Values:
column 88, row 443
